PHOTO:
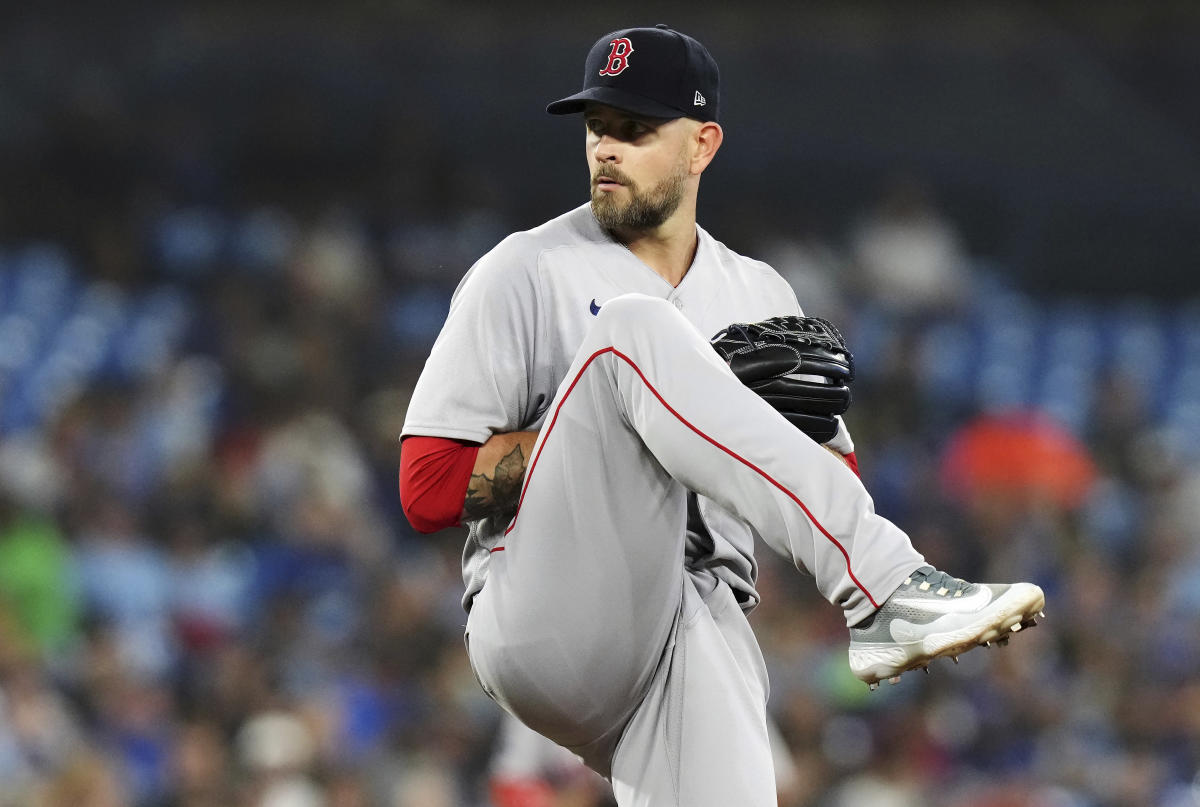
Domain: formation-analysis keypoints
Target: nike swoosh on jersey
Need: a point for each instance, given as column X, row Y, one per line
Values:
column 948, row 605
column 595, row 309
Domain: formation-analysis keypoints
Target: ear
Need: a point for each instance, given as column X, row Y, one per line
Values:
column 706, row 139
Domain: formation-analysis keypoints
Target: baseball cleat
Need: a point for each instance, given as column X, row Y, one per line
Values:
column 932, row 615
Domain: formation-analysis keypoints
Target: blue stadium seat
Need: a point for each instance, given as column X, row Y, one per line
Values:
column 58, row 334
column 946, row 360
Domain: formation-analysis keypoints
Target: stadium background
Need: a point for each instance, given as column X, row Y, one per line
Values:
column 228, row 236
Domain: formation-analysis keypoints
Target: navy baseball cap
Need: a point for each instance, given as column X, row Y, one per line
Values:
column 657, row 72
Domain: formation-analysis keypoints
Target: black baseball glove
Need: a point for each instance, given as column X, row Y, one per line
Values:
column 799, row 365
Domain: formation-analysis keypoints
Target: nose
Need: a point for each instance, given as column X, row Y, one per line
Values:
column 607, row 149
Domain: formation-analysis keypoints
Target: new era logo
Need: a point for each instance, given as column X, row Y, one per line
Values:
column 699, row 101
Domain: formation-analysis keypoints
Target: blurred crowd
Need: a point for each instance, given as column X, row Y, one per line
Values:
column 210, row 596
column 225, row 251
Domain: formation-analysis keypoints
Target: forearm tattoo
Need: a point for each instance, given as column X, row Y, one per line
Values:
column 496, row 495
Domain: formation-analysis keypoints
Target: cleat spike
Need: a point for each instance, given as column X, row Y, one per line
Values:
column 926, row 669
column 1003, row 641
column 874, row 685
column 987, row 644
column 1015, row 627
column 954, row 659
column 895, row 679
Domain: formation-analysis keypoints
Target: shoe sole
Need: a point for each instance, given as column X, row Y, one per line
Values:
column 1017, row 608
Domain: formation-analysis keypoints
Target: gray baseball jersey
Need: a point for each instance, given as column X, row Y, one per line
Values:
column 609, row 613
column 515, row 324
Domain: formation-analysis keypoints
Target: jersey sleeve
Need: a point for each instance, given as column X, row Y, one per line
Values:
column 477, row 378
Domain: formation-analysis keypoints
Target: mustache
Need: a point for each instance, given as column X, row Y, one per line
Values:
column 612, row 173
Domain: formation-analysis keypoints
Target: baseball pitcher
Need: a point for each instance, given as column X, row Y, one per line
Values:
column 615, row 462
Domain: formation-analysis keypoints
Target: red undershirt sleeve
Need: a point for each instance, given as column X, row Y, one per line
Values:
column 434, row 474
column 851, row 460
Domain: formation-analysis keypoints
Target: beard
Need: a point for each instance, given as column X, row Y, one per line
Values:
column 645, row 210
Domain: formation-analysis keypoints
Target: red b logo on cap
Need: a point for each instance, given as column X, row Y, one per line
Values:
column 618, row 57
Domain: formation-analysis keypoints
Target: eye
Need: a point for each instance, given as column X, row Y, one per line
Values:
column 633, row 129
column 594, row 125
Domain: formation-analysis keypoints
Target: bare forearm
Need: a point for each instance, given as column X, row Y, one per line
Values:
column 495, row 483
